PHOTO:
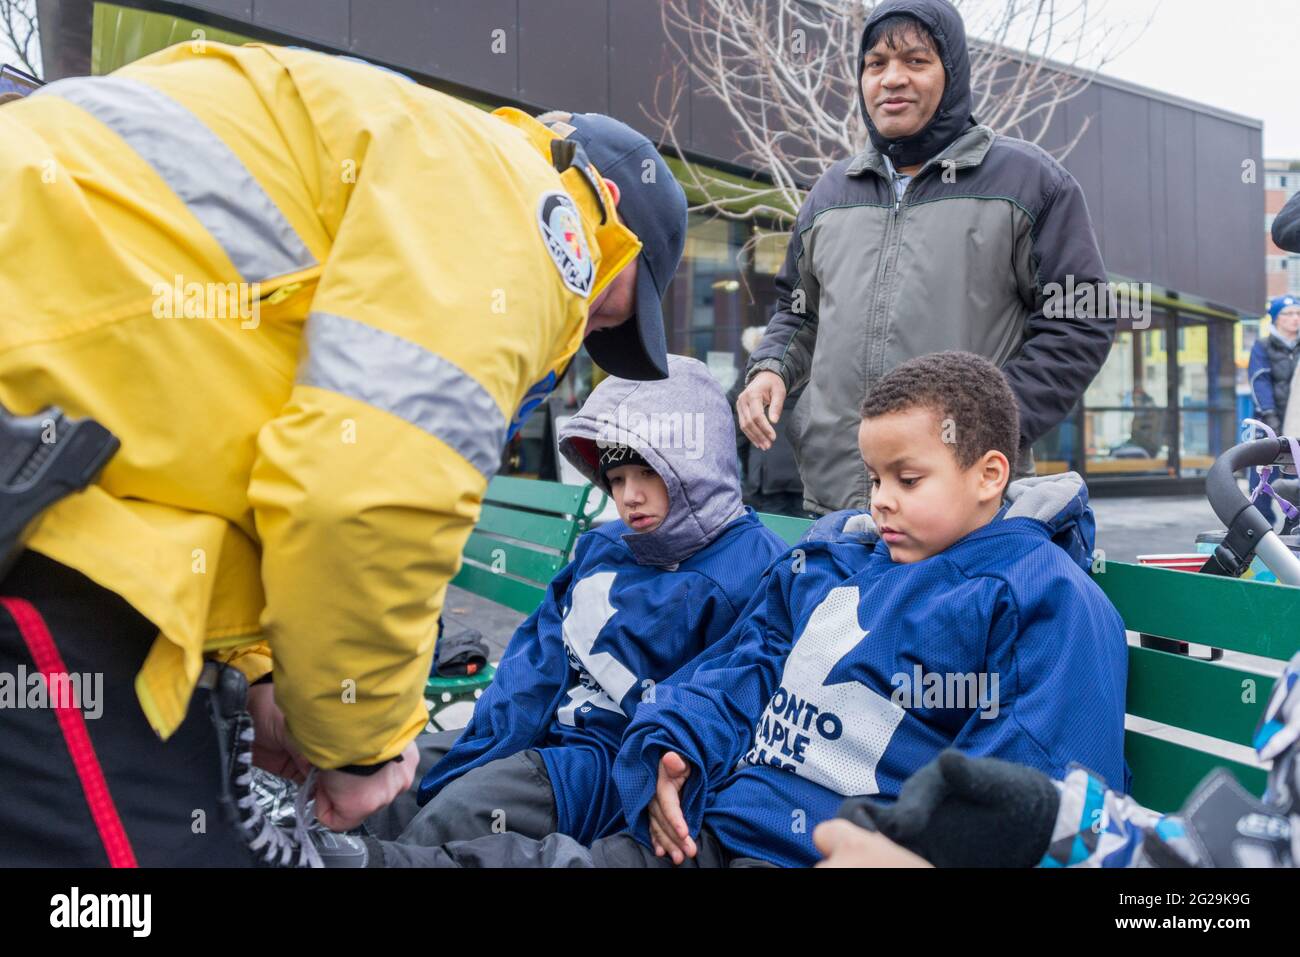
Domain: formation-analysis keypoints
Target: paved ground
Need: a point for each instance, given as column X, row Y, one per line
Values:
column 1129, row 527
column 496, row 622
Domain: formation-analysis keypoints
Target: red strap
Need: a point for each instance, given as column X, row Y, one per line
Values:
column 73, row 725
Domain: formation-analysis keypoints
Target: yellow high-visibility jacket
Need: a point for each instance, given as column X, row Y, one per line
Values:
column 309, row 296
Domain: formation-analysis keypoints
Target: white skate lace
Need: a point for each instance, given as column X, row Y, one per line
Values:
column 278, row 846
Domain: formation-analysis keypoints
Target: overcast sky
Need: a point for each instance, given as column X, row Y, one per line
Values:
column 1239, row 55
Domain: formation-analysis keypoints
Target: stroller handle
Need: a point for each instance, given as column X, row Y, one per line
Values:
column 1237, row 511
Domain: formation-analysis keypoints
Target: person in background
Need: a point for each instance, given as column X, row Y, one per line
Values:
column 1272, row 367
column 771, row 481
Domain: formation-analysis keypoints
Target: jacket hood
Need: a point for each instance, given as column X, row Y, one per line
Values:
column 683, row 427
column 1058, row 501
column 954, row 114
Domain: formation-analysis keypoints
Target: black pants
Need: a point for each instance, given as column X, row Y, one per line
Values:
column 554, row 850
column 778, row 503
column 163, row 793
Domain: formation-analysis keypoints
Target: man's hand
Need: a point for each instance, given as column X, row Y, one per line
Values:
column 668, row 830
column 765, row 391
column 344, row 800
column 843, row 844
column 274, row 749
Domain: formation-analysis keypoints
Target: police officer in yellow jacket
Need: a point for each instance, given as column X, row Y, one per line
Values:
column 312, row 298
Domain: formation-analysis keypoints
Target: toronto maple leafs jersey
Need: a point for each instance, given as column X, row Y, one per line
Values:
column 630, row 609
column 853, row 671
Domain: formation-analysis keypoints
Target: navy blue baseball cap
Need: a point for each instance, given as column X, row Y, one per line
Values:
column 653, row 205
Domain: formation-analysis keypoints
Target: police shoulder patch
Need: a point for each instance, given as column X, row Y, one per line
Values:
column 561, row 229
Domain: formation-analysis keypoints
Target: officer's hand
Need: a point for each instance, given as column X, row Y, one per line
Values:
column 1273, row 421
column 766, row 391
column 274, row 749
column 344, row 800
column 846, row 845
column 668, row 831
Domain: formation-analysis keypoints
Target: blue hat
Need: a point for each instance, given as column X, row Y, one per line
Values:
column 1279, row 303
column 653, row 205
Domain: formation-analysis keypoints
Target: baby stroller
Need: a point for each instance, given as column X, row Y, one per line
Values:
column 1248, row 545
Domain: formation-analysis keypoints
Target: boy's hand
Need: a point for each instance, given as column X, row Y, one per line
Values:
column 846, row 845
column 765, row 391
column 344, row 800
column 668, row 830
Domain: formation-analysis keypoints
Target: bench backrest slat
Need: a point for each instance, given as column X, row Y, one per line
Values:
column 507, row 556
column 1165, row 773
column 1209, row 698
column 787, row 528
column 525, row 534
column 553, row 497
column 1257, row 618
column 549, row 531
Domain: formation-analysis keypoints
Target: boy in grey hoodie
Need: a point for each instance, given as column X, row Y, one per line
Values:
column 642, row 597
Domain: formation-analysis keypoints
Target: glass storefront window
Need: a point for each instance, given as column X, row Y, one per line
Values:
column 1126, row 424
column 1206, row 393
column 1056, row 452
column 723, row 285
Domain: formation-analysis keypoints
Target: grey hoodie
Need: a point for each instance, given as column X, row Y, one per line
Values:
column 683, row 427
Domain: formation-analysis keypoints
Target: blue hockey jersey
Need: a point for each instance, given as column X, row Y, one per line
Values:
column 630, row 609
column 854, row 671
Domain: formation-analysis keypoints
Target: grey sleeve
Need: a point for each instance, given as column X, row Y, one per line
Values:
column 1061, row 354
column 1286, row 227
column 787, row 349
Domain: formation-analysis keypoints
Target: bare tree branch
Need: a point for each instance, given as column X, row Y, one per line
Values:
column 19, row 32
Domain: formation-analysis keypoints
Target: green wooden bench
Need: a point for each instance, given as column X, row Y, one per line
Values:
column 525, row 534
column 1221, row 701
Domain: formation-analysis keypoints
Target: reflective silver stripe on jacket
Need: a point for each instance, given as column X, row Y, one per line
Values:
column 396, row 375
column 208, row 177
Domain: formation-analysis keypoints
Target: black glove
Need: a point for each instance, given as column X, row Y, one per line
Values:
column 963, row 812
column 1272, row 420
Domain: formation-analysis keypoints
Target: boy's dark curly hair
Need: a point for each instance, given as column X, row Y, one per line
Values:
column 962, row 387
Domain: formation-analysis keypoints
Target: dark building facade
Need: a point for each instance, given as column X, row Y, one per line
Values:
column 1172, row 187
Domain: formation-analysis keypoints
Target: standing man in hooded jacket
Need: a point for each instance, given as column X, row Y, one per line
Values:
column 940, row 235
column 313, row 300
